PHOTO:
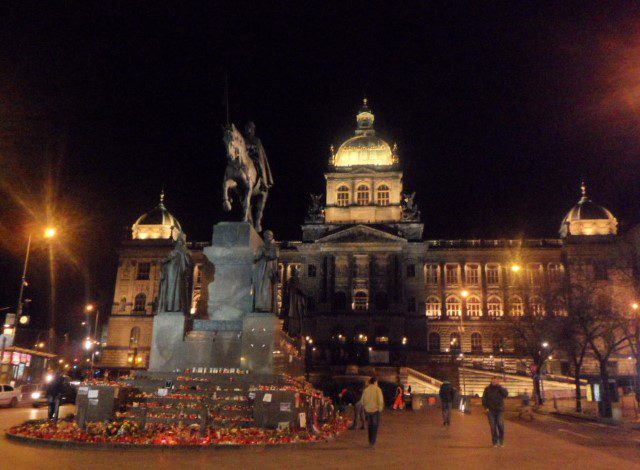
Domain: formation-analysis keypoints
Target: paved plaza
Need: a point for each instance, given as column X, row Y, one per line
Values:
column 406, row 440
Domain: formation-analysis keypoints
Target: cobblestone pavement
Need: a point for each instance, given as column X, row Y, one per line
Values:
column 406, row 440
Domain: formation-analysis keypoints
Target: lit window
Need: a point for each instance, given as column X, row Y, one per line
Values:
column 143, row 271
column 535, row 274
column 537, row 306
column 451, row 274
column 140, row 303
column 360, row 301
column 431, row 274
column 383, row 195
column 497, row 343
column 343, row 196
column 362, row 195
column 474, row 307
column 454, row 308
column 472, row 274
column 455, row 342
column 476, row 342
column 433, row 306
column 134, row 337
column 517, row 306
column 555, row 273
column 494, row 306
column 493, row 274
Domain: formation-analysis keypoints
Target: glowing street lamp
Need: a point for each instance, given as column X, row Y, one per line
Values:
column 464, row 294
column 635, row 306
column 515, row 268
column 49, row 232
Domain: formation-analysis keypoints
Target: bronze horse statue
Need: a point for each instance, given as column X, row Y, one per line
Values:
column 242, row 176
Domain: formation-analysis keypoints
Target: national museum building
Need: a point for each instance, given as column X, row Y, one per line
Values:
column 374, row 290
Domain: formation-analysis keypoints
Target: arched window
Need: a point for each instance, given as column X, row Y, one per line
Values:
column 474, row 307
column 517, row 306
column 343, row 196
column 123, row 304
column 140, row 303
column 454, row 342
column 362, row 195
column 454, row 307
column 360, row 300
column 383, row 195
column 134, row 337
column 433, row 306
column 382, row 301
column 497, row 343
column 494, row 306
column 476, row 342
column 434, row 342
column 537, row 306
column 339, row 301
column 381, row 335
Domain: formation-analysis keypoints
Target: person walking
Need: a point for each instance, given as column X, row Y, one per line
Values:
column 373, row 403
column 447, row 395
column 525, row 409
column 398, row 402
column 493, row 403
column 358, row 411
column 54, row 393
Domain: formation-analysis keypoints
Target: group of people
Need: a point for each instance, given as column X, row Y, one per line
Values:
column 492, row 402
column 368, row 405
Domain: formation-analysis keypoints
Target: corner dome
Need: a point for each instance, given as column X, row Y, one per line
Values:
column 588, row 218
column 365, row 148
column 158, row 223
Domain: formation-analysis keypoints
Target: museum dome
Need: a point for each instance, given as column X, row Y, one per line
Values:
column 157, row 223
column 588, row 218
column 365, row 148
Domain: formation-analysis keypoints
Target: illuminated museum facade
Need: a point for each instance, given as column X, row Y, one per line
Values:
column 375, row 290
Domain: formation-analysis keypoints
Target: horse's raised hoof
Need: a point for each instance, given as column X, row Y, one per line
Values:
column 226, row 206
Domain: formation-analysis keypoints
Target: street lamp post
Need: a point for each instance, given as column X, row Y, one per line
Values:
column 49, row 232
column 90, row 308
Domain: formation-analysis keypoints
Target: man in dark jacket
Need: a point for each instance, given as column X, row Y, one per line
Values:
column 493, row 402
column 447, row 394
column 54, row 393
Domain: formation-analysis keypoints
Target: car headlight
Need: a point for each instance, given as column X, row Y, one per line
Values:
column 36, row 395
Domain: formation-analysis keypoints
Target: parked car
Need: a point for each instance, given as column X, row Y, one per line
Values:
column 69, row 392
column 9, row 395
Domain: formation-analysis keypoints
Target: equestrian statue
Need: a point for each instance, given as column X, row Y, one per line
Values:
column 247, row 173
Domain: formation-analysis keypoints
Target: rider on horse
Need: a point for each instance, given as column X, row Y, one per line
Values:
column 258, row 155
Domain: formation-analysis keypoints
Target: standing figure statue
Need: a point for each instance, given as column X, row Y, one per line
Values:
column 296, row 305
column 247, row 172
column 176, row 277
column 265, row 275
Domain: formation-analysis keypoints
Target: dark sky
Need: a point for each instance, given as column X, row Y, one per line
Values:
column 498, row 109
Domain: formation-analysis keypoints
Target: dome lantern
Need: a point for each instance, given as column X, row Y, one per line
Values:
column 587, row 218
column 365, row 148
column 158, row 223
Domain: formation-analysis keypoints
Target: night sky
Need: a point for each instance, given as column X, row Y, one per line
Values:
column 498, row 111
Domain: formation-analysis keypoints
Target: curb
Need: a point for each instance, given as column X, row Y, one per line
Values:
column 56, row 443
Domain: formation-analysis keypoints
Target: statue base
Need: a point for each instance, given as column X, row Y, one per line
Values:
column 234, row 336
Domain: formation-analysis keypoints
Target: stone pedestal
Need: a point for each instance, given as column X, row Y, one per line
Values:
column 233, row 248
column 167, row 342
column 233, row 336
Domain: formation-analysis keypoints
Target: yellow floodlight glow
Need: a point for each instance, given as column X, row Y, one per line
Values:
column 49, row 232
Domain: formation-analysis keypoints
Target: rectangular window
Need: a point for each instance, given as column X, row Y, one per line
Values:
column 535, row 274
column 451, row 274
column 143, row 271
column 472, row 274
column 431, row 274
column 311, row 270
column 555, row 273
column 493, row 274
column 411, row 270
